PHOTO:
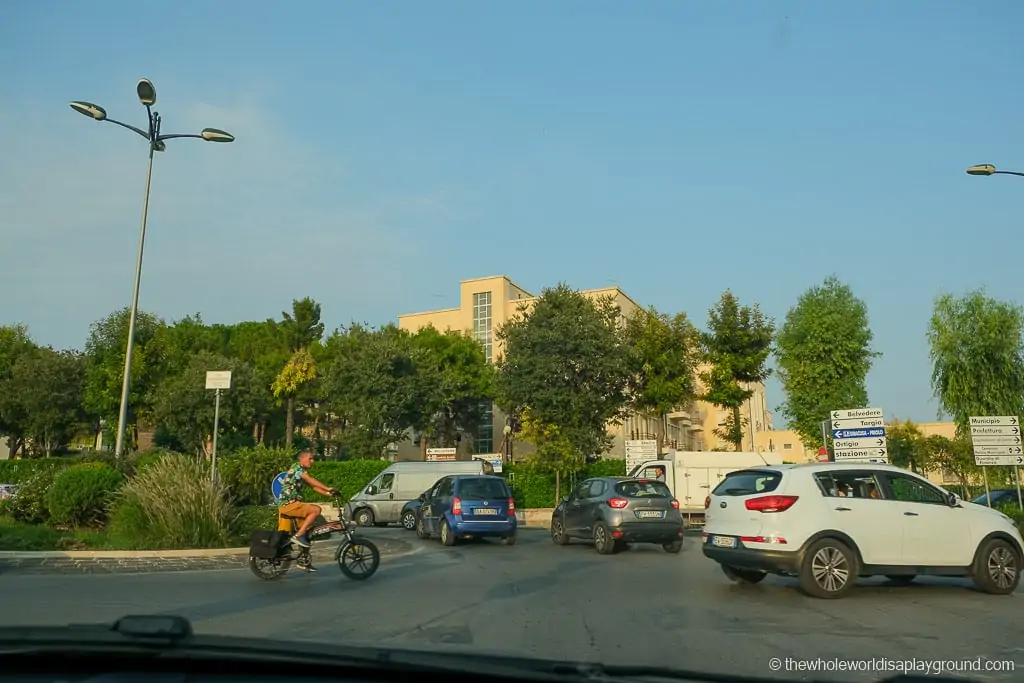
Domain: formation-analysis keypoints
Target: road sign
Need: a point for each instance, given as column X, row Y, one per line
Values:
column 995, row 421
column 642, row 448
column 999, row 460
column 277, row 485
column 996, row 440
column 858, row 435
column 442, row 454
column 218, row 379
column 848, row 444
column 857, row 414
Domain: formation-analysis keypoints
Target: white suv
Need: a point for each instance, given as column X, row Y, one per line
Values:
column 828, row 523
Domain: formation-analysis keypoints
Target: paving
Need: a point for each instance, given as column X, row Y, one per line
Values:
column 643, row 606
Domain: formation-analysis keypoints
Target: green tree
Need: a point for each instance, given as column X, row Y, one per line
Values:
column 977, row 353
column 566, row 362
column 262, row 345
column 183, row 339
column 466, row 381
column 736, row 348
column 907, row 446
column 45, row 393
column 955, row 456
column 301, row 329
column 14, row 343
column 184, row 407
column 823, row 355
column 104, row 368
column 664, row 352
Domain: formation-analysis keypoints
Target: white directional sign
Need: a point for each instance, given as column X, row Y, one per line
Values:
column 218, row 379
column 858, row 435
column 996, row 440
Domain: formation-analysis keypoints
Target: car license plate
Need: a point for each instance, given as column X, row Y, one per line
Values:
column 723, row 541
column 650, row 514
column 491, row 512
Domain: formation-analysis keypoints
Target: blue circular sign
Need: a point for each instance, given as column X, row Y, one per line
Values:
column 277, row 485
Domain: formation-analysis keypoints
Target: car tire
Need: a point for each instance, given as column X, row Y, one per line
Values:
column 409, row 520
column 997, row 567
column 447, row 537
column 508, row 540
column 829, row 569
column 901, row 579
column 750, row 576
column 364, row 517
column 558, row 535
column 603, row 542
column 421, row 530
column 673, row 547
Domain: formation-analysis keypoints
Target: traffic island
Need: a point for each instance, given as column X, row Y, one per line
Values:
column 147, row 561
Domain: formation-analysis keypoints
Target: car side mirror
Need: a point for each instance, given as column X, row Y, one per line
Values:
column 371, row 490
column 422, row 498
column 565, row 499
column 953, row 500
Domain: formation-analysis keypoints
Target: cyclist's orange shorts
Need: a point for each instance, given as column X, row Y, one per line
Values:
column 294, row 510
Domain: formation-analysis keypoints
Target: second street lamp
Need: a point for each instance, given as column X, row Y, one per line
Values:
column 989, row 169
column 147, row 96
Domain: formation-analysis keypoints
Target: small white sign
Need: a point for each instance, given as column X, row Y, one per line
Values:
column 858, row 423
column 442, row 451
column 995, row 431
column 1002, row 440
column 861, row 454
column 998, row 460
column 642, row 448
column 853, row 444
column 218, row 379
column 998, row 450
column 857, row 414
column 995, row 421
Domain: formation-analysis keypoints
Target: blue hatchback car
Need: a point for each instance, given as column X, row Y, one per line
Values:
column 468, row 506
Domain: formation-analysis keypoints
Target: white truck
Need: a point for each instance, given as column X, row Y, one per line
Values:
column 692, row 475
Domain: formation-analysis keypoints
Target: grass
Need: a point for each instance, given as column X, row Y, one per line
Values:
column 20, row 536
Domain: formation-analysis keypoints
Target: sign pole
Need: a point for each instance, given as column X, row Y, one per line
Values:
column 1016, row 472
column 216, row 424
column 988, row 494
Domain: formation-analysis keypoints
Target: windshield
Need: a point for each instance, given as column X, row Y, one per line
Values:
column 606, row 283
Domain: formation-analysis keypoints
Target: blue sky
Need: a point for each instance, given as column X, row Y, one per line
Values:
column 388, row 150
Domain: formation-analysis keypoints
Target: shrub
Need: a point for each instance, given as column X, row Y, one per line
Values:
column 348, row 476
column 172, row 503
column 30, row 504
column 252, row 518
column 248, row 473
column 20, row 471
column 80, row 494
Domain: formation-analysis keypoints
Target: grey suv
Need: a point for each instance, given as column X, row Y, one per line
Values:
column 617, row 511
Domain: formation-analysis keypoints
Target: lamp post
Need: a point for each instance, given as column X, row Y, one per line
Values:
column 508, row 442
column 157, row 143
column 989, row 169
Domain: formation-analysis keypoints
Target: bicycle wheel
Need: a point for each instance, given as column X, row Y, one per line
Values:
column 269, row 570
column 358, row 558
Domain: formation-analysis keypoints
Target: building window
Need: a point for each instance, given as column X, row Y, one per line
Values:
column 484, row 442
column 787, row 446
column 482, row 321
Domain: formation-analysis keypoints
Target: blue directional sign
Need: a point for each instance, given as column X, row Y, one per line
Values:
column 858, row 433
column 277, row 485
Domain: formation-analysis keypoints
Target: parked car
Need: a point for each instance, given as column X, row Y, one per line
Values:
column 617, row 511
column 411, row 510
column 468, row 506
column 829, row 523
column 998, row 498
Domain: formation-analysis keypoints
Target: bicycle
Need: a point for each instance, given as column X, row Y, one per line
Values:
column 271, row 553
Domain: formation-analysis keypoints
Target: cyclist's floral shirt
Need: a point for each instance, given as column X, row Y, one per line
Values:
column 291, row 488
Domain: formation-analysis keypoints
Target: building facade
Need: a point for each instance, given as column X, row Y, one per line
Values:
column 485, row 304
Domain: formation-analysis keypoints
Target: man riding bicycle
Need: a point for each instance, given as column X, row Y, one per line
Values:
column 290, row 505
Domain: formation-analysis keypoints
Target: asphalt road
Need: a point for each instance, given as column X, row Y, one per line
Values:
column 642, row 606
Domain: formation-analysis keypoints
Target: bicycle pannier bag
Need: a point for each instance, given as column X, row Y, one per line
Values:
column 266, row 545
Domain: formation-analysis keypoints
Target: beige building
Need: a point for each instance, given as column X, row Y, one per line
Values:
column 485, row 304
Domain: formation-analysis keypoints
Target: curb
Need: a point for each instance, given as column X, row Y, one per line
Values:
column 119, row 554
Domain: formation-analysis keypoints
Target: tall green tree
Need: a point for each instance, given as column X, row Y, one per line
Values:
column 264, row 347
column 301, row 329
column 45, row 394
column 466, row 381
column 664, row 352
column 977, row 351
column 14, row 343
column 823, row 354
column 907, row 446
column 104, row 368
column 565, row 361
column 736, row 347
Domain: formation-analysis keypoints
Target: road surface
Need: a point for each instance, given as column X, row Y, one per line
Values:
column 643, row 606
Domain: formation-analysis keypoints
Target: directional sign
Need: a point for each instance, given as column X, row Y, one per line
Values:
column 999, row 460
column 857, row 414
column 996, row 440
column 856, row 444
column 277, row 485
column 858, row 434
column 996, row 421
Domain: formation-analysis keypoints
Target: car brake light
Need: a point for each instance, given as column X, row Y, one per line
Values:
column 771, row 503
column 511, row 507
column 618, row 503
column 675, row 504
column 707, row 502
column 456, row 506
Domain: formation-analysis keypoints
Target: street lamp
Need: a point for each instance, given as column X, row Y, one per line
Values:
column 989, row 169
column 147, row 96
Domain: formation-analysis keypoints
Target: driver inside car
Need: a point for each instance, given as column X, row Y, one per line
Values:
column 290, row 505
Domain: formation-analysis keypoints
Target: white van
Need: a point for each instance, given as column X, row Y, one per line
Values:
column 381, row 501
